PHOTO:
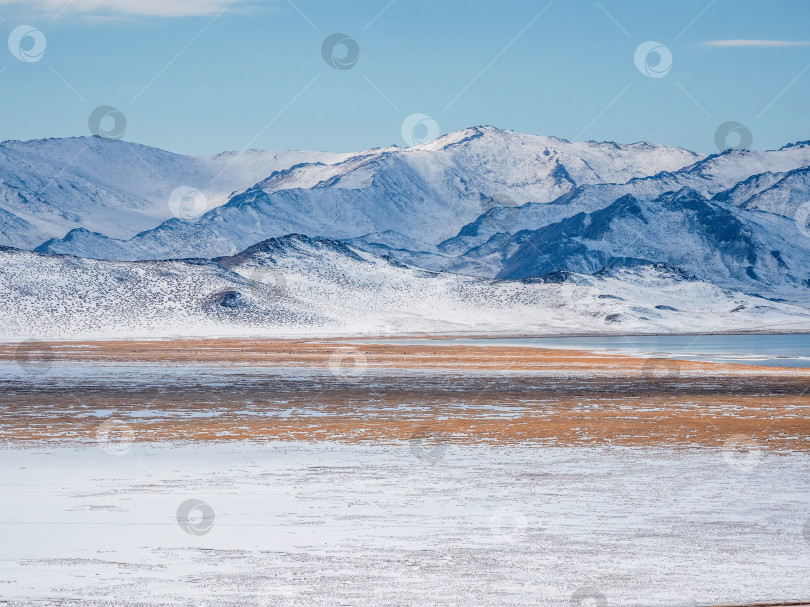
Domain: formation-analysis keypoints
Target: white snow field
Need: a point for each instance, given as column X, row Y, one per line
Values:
column 315, row 524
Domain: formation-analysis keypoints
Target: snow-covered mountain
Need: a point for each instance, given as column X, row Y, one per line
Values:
column 425, row 193
column 481, row 204
column 715, row 175
column 780, row 193
column 297, row 285
column 50, row 186
column 743, row 250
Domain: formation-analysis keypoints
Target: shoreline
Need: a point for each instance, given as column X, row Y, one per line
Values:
column 305, row 351
column 322, row 390
column 444, row 335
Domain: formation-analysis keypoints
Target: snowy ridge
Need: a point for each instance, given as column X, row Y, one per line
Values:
column 116, row 188
column 714, row 176
column 298, row 285
column 780, row 193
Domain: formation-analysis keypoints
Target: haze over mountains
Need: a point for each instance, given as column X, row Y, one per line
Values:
column 482, row 207
column 50, row 186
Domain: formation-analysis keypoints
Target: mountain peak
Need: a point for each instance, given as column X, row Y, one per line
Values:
column 299, row 244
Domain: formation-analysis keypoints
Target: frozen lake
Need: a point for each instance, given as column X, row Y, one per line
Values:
column 326, row 524
column 769, row 350
column 322, row 473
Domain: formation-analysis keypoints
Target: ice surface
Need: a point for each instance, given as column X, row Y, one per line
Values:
column 328, row 524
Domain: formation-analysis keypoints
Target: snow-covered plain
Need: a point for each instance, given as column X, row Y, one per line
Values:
column 328, row 524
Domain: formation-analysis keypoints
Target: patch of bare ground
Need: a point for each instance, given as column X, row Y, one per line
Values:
column 472, row 394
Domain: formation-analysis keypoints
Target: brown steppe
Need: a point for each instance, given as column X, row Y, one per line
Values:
column 351, row 390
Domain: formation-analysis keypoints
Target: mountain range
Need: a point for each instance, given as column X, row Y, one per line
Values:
column 481, row 230
column 48, row 187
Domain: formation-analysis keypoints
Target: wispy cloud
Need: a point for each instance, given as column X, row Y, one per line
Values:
column 156, row 8
column 756, row 43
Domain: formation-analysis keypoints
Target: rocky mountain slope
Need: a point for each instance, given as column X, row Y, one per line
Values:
column 715, row 241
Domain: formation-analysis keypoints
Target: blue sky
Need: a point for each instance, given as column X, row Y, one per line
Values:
column 194, row 78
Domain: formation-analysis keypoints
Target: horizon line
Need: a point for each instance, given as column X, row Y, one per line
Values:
column 392, row 145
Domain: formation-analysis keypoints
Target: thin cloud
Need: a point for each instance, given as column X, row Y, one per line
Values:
column 755, row 43
column 151, row 8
